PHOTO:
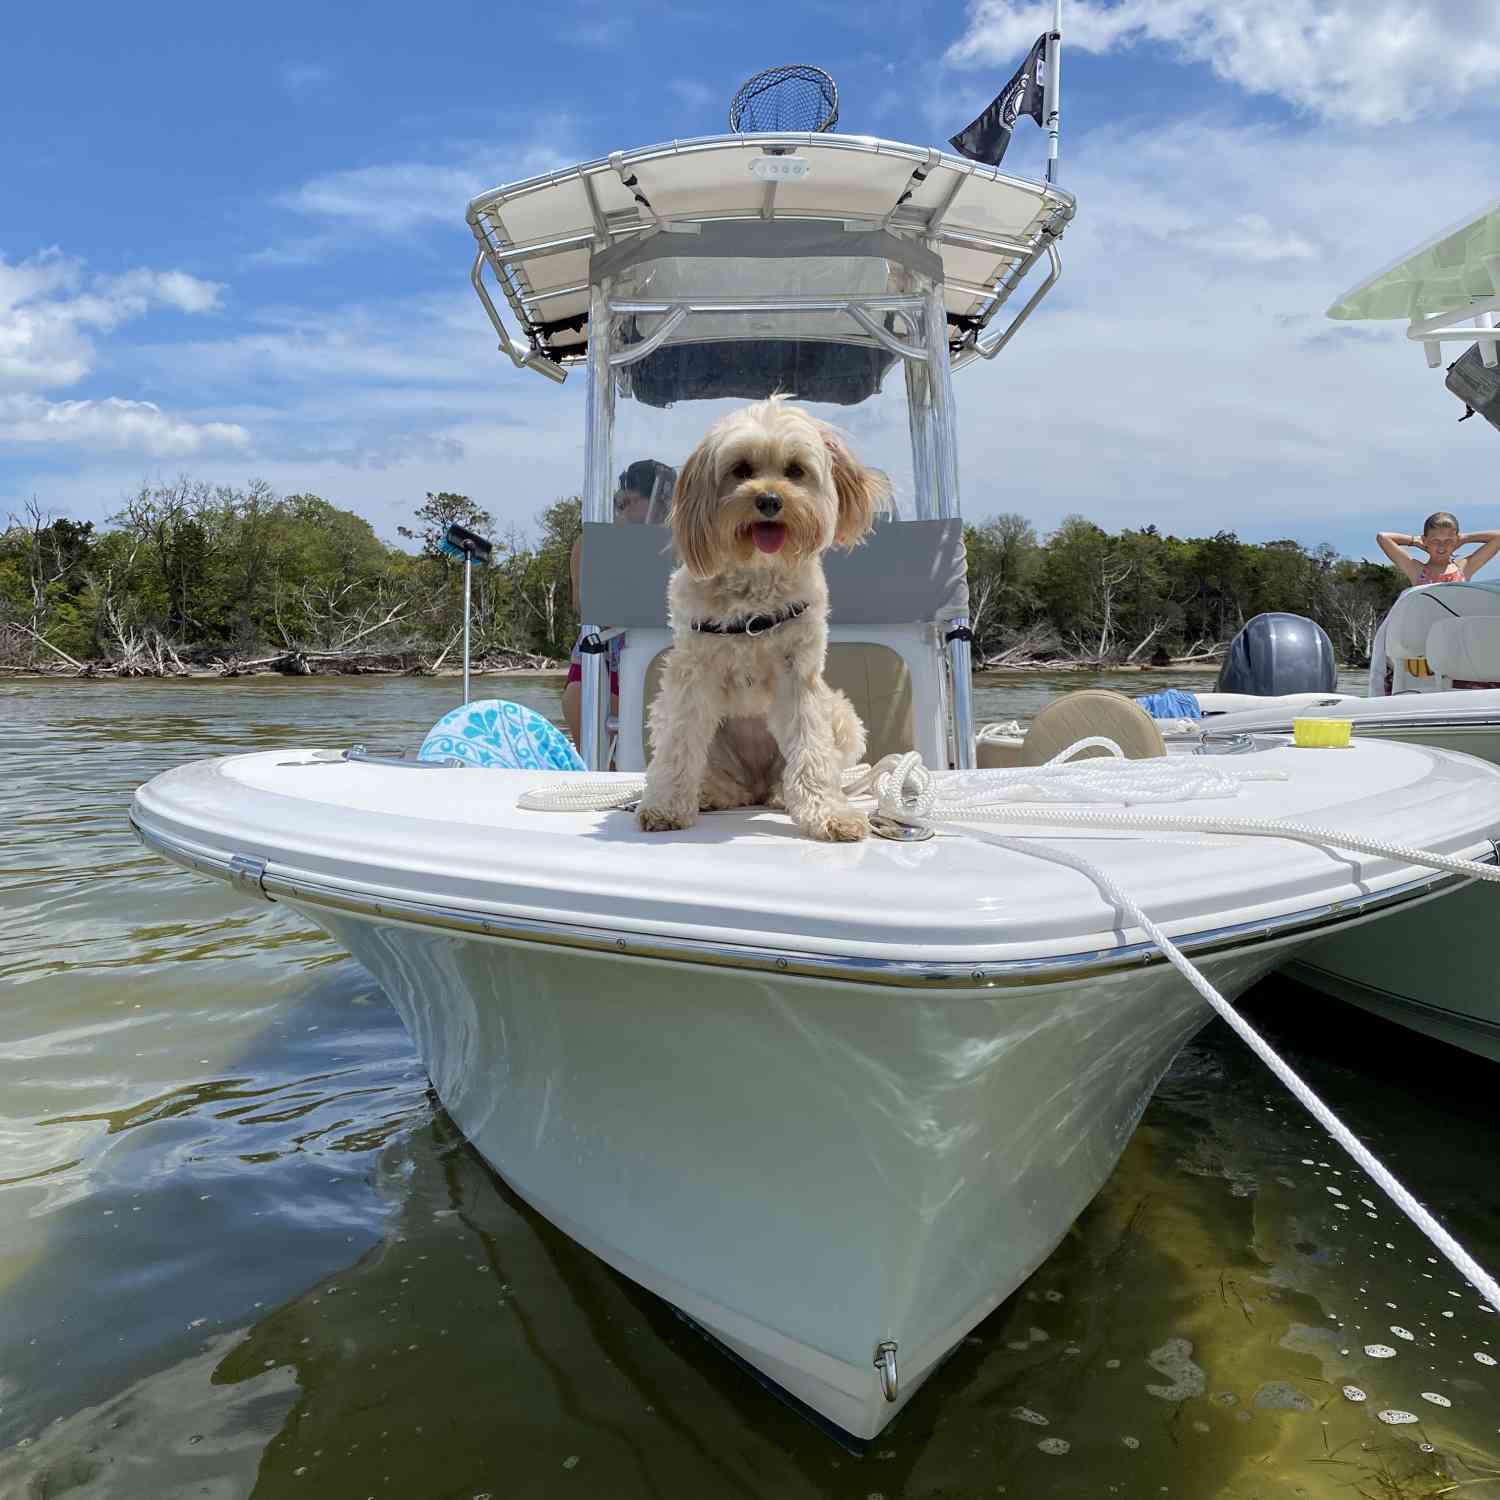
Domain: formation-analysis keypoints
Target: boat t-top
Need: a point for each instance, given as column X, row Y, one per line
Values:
column 833, row 1102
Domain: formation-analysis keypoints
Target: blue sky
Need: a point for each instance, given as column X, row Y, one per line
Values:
column 232, row 243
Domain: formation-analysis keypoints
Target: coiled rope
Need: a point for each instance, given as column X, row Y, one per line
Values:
column 906, row 790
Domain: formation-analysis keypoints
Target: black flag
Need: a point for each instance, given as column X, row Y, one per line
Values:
column 986, row 139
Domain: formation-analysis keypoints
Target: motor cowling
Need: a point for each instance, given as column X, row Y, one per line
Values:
column 1476, row 384
column 1279, row 653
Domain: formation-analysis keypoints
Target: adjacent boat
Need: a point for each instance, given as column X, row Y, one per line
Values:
column 1434, row 670
column 1434, row 680
column 835, row 1102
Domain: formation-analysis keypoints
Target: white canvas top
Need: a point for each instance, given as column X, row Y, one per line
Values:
column 985, row 224
column 1447, row 273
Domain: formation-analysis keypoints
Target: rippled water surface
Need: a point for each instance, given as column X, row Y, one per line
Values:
column 244, row 1252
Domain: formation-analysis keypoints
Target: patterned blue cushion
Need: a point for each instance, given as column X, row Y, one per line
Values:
column 494, row 732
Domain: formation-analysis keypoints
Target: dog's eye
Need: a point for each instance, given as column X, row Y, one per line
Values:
column 794, row 471
column 742, row 470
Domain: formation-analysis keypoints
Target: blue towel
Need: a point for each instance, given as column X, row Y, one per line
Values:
column 1171, row 703
column 494, row 732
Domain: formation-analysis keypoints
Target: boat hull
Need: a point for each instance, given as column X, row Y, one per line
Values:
column 1432, row 969
column 823, row 1098
column 806, row 1167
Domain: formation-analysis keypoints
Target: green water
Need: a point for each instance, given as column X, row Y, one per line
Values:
column 244, row 1252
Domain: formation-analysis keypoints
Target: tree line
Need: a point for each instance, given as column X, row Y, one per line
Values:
column 191, row 576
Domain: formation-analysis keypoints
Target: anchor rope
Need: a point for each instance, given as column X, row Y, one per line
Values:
column 907, row 791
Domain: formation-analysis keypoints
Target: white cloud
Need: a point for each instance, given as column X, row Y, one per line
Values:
column 49, row 306
column 694, row 94
column 1248, row 237
column 1183, row 372
column 392, row 198
column 397, row 198
column 1369, row 62
column 135, row 291
column 111, row 424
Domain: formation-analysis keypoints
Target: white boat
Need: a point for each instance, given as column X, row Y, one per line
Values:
column 835, row 1102
column 1434, row 670
column 1438, row 653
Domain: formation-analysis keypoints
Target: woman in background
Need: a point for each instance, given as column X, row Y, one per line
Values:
column 644, row 497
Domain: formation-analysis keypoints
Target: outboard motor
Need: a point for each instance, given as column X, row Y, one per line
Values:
column 1276, row 654
column 1476, row 384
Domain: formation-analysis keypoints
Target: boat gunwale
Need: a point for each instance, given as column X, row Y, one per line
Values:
column 1219, row 723
column 274, row 885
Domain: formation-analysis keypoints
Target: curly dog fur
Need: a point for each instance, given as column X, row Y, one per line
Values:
column 746, row 719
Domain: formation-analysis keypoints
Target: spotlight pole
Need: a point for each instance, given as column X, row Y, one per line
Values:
column 468, row 578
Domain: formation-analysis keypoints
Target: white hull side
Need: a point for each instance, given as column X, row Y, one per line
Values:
column 806, row 1167
column 1431, row 969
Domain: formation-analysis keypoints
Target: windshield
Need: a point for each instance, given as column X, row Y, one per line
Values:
column 713, row 333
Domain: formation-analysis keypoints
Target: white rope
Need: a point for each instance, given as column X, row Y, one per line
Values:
column 907, row 791
column 1008, row 729
column 1110, row 778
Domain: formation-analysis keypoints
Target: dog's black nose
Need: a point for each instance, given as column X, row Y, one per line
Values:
column 768, row 504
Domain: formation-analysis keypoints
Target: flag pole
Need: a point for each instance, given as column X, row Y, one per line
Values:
column 1054, row 87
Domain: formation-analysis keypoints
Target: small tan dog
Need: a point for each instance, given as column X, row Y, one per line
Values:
column 744, row 717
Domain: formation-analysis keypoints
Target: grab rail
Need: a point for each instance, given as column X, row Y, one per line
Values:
column 981, row 350
column 522, row 359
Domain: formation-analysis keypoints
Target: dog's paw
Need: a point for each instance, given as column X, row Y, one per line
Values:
column 846, row 827
column 663, row 819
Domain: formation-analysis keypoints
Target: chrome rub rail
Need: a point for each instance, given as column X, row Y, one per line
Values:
column 257, row 878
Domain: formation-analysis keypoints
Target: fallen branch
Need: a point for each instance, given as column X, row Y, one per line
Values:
column 42, row 640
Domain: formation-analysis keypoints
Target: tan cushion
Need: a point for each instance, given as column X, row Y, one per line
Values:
column 876, row 680
column 879, row 686
column 1092, row 711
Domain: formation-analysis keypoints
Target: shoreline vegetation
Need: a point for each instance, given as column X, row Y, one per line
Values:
column 202, row 581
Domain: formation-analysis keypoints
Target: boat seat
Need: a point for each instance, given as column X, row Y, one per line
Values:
column 884, row 645
column 1465, row 648
column 876, row 679
column 1410, row 619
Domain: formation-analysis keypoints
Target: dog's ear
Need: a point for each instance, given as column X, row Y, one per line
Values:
column 863, row 493
column 694, row 503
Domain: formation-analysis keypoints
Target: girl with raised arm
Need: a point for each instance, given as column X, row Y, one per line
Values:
column 1439, row 540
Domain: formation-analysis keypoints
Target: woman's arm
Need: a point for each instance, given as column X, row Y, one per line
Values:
column 1394, row 545
column 1489, row 545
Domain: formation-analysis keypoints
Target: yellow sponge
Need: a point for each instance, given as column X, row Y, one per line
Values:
column 1322, row 734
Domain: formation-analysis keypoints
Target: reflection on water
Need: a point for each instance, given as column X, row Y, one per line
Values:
column 243, row 1251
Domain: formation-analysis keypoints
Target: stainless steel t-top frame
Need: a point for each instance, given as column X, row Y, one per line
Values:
column 979, row 230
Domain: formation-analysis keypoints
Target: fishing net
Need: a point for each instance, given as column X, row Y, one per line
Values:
column 791, row 98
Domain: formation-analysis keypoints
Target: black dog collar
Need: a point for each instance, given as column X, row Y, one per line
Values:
column 755, row 625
